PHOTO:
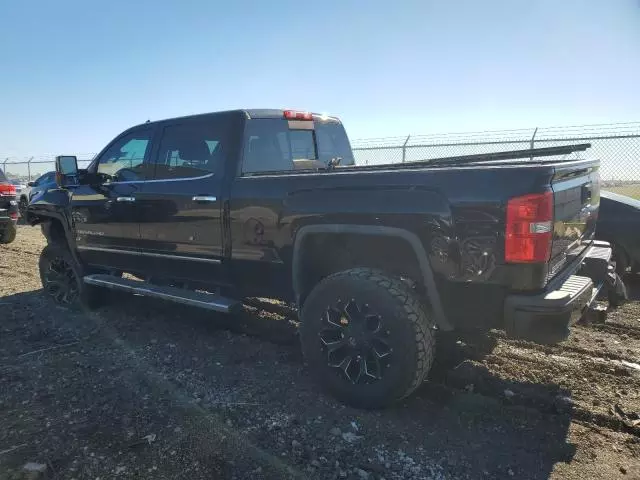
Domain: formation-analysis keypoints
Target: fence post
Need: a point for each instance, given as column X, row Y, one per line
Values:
column 533, row 137
column 29, row 168
column 404, row 148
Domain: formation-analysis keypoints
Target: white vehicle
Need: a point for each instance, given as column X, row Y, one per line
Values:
column 19, row 186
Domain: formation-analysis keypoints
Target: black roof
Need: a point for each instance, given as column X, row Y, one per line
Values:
column 246, row 112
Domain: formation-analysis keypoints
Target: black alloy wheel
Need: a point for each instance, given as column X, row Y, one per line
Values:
column 355, row 341
column 60, row 281
column 367, row 337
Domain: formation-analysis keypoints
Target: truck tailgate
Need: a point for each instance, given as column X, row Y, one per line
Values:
column 576, row 191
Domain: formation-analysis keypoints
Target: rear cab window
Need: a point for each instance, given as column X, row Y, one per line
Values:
column 280, row 145
column 333, row 142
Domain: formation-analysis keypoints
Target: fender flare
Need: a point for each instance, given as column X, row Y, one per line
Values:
column 374, row 230
column 46, row 217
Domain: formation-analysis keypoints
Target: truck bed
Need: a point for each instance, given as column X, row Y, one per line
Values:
column 465, row 198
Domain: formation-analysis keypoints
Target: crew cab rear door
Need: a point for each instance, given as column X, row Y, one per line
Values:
column 181, row 206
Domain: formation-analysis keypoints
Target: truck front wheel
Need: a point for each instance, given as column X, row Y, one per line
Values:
column 367, row 337
column 61, row 277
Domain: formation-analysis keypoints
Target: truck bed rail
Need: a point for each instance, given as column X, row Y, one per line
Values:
column 487, row 157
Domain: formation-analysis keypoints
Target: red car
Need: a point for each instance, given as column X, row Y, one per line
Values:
column 8, row 210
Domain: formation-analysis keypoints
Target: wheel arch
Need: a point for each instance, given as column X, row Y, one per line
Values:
column 56, row 230
column 302, row 286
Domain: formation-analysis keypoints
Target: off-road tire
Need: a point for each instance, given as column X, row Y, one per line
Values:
column 8, row 234
column 88, row 296
column 411, row 334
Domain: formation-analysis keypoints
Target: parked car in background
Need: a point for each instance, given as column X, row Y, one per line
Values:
column 19, row 186
column 8, row 210
column 39, row 185
column 619, row 224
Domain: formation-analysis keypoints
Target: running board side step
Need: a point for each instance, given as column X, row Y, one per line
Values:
column 178, row 295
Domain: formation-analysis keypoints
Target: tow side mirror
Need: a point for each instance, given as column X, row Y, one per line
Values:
column 66, row 169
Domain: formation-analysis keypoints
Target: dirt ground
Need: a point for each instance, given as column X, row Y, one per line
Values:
column 145, row 389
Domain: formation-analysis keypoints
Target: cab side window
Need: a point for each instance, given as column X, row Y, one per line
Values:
column 124, row 159
column 192, row 149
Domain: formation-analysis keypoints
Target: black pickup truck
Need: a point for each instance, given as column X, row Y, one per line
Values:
column 210, row 209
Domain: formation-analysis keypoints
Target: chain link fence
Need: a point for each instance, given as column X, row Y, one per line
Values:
column 616, row 145
column 26, row 169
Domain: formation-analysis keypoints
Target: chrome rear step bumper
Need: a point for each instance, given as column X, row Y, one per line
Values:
column 545, row 317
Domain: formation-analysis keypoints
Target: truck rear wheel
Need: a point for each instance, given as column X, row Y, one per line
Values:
column 366, row 337
column 61, row 278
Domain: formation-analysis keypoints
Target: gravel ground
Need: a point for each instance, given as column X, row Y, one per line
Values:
column 145, row 389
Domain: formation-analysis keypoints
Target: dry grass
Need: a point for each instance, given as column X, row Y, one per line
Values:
column 632, row 191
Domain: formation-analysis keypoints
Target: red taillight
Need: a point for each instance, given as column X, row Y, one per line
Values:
column 7, row 190
column 13, row 215
column 529, row 228
column 295, row 115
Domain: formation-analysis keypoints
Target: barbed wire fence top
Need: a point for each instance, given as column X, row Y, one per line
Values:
column 616, row 145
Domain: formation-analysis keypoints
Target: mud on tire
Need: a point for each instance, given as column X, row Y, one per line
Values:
column 366, row 337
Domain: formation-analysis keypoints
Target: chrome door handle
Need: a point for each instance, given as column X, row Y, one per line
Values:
column 204, row 198
column 125, row 199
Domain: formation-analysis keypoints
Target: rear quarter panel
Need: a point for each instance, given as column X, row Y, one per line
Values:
column 457, row 213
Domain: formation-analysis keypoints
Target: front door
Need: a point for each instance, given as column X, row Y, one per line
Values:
column 181, row 207
column 105, row 214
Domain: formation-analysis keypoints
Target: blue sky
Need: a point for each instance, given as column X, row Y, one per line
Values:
column 73, row 74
